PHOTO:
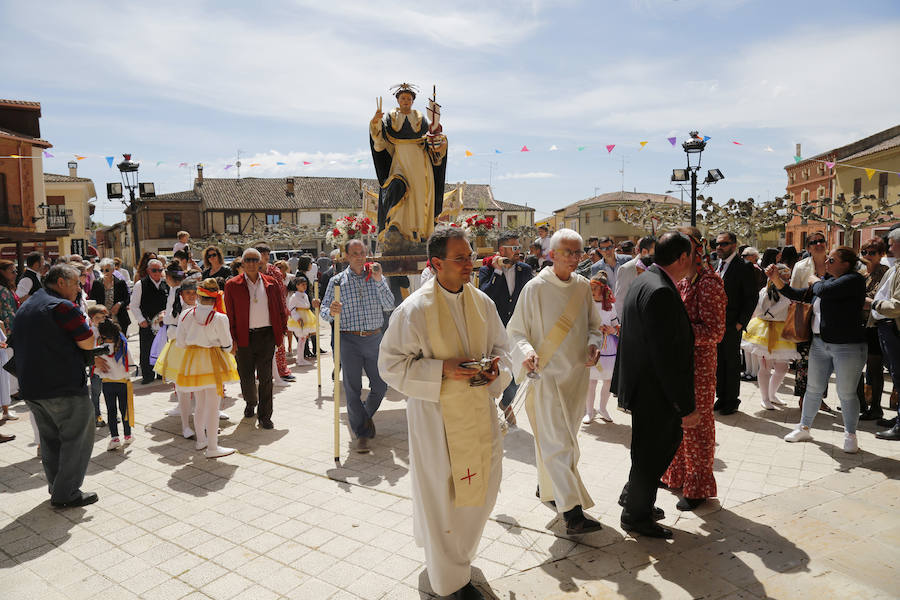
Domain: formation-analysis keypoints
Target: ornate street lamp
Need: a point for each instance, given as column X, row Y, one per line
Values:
column 129, row 172
column 693, row 148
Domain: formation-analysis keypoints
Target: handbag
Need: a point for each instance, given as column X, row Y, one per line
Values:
column 798, row 324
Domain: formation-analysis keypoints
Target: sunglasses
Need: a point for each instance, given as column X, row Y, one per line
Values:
column 211, row 254
column 869, row 253
column 251, row 259
column 604, row 248
column 720, row 244
column 155, row 270
column 815, row 242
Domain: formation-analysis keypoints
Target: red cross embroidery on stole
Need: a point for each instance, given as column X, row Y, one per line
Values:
column 469, row 476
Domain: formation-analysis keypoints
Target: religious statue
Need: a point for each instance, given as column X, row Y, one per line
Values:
column 410, row 155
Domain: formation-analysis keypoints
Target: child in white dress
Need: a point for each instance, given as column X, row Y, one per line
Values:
column 170, row 358
column 116, row 379
column 603, row 370
column 301, row 320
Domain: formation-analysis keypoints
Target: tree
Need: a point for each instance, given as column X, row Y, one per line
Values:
column 291, row 234
column 655, row 216
column 746, row 218
column 859, row 213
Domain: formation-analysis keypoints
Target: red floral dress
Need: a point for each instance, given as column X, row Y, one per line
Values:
column 692, row 468
column 280, row 356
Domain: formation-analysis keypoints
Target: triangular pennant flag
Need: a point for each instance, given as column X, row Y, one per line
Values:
column 358, row 160
column 109, row 161
column 254, row 164
column 228, row 167
column 736, row 143
column 468, row 153
column 769, row 149
column 829, row 164
column 182, row 165
column 643, row 144
column 524, row 149
column 80, row 157
column 306, row 162
column 705, row 138
column 580, row 148
column 797, row 159
column 280, row 164
column 159, row 162
column 609, row 148
column 497, row 151
column 869, row 173
column 48, row 155
column 553, row 148
column 671, row 140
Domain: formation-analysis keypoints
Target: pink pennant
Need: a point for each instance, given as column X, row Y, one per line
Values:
column 829, row 164
column 524, row 149
column 671, row 140
column 180, row 165
column 306, row 162
column 609, row 148
column 736, row 143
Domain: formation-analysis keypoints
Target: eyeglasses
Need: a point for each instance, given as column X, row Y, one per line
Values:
column 869, row 253
column 566, row 253
column 463, row 259
column 251, row 259
column 604, row 248
column 155, row 270
column 513, row 248
column 720, row 244
column 210, row 255
column 815, row 242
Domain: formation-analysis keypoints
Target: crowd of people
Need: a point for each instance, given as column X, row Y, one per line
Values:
column 670, row 326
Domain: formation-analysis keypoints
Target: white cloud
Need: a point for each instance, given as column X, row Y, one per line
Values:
column 529, row 175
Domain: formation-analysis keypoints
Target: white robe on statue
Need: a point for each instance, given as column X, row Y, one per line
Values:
column 407, row 361
column 559, row 394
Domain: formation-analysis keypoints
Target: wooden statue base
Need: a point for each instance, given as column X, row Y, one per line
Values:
column 412, row 264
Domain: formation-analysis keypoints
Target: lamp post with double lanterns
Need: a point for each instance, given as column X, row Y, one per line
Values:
column 693, row 148
column 129, row 171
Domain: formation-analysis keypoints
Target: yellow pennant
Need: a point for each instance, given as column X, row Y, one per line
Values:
column 869, row 173
column 468, row 154
column 643, row 144
column 254, row 164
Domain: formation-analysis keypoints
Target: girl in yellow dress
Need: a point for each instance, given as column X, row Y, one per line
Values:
column 169, row 360
column 207, row 364
column 763, row 339
column 301, row 320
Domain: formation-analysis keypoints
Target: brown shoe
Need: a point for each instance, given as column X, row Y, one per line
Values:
column 362, row 445
column 6, row 438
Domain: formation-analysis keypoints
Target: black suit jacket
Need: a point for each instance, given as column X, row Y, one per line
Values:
column 120, row 294
column 655, row 360
column 742, row 292
column 497, row 290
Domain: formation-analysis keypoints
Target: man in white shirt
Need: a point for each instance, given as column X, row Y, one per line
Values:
column 148, row 299
column 544, row 240
column 30, row 282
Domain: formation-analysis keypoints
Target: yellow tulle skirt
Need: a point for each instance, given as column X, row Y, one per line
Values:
column 169, row 361
column 763, row 338
column 308, row 326
column 202, row 368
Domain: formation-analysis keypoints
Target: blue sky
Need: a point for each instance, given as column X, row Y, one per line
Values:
column 297, row 81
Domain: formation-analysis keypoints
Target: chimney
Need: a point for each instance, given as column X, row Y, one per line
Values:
column 200, row 174
column 73, row 168
column 289, row 187
column 797, row 151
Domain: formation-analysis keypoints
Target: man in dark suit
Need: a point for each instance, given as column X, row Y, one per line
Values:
column 654, row 379
column 742, row 292
column 257, row 317
column 502, row 280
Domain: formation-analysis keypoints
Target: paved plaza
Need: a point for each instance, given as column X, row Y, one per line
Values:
column 280, row 520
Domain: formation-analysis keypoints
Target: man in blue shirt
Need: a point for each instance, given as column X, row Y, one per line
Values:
column 50, row 338
column 365, row 296
column 610, row 261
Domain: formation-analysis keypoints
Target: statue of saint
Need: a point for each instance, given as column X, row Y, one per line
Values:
column 410, row 155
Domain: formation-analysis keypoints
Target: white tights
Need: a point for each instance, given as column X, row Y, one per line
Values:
column 592, row 393
column 771, row 374
column 206, row 419
column 184, row 408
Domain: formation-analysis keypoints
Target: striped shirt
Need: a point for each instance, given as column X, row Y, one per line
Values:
column 364, row 302
column 70, row 319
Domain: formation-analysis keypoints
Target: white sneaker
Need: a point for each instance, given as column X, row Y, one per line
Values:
column 604, row 415
column 851, row 446
column 302, row 362
column 223, row 416
column 114, row 444
column 801, row 434
column 766, row 404
column 219, row 452
column 588, row 418
column 777, row 401
column 128, row 439
column 280, row 382
column 173, row 412
column 187, row 432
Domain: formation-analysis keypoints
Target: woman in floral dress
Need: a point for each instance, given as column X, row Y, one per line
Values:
column 704, row 298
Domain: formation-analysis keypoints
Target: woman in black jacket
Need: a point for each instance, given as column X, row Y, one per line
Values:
column 839, row 341
column 112, row 292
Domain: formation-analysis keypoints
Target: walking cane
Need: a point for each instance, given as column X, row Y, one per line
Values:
column 318, row 341
column 337, row 378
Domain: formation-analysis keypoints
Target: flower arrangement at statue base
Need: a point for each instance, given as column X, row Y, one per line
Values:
column 479, row 227
column 349, row 227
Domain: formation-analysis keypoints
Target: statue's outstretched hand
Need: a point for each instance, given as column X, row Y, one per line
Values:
column 378, row 113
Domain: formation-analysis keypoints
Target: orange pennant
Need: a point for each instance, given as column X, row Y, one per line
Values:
column 468, row 153
column 869, row 173
column 254, row 164
column 643, row 144
column 80, row 157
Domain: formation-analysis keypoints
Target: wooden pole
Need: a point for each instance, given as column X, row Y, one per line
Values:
column 337, row 378
column 318, row 340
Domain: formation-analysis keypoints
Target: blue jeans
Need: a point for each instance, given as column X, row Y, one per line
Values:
column 66, row 428
column 360, row 353
column 846, row 361
column 96, row 389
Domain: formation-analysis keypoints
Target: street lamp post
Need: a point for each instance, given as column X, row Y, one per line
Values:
column 129, row 172
column 693, row 148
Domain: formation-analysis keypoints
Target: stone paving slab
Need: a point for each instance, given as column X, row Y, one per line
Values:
column 281, row 520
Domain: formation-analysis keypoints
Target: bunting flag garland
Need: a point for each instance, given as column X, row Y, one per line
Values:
column 643, row 144
column 672, row 140
column 797, row 159
column 280, row 164
column 48, row 155
column 706, row 138
column 109, row 160
column 254, row 164
column 306, row 162
column 581, row 148
column 497, row 151
column 524, row 149
column 159, row 162
column 769, row 149
column 468, row 154
column 736, row 143
column 80, row 157
column 228, row 167
column 869, row 173
column 829, row 164
column 180, row 165
column 609, row 148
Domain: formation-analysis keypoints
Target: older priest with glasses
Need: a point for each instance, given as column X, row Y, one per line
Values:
column 455, row 446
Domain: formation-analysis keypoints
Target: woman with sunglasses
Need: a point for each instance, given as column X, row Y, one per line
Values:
column 838, row 344
column 112, row 292
column 213, row 264
column 870, row 392
column 806, row 272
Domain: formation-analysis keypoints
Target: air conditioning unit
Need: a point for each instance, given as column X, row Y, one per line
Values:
column 233, row 228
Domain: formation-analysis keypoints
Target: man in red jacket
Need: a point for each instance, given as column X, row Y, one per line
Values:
column 258, row 318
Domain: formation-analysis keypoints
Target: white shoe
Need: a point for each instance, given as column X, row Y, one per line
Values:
column 223, row 416
column 114, row 444
column 604, row 415
column 851, row 446
column 801, row 434
column 218, row 452
column 187, row 432
column 173, row 412
column 280, row 382
column 588, row 418
column 302, row 362
column 128, row 440
column 776, row 401
column 766, row 404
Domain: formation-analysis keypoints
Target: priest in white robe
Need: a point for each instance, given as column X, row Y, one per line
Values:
column 455, row 445
column 555, row 333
